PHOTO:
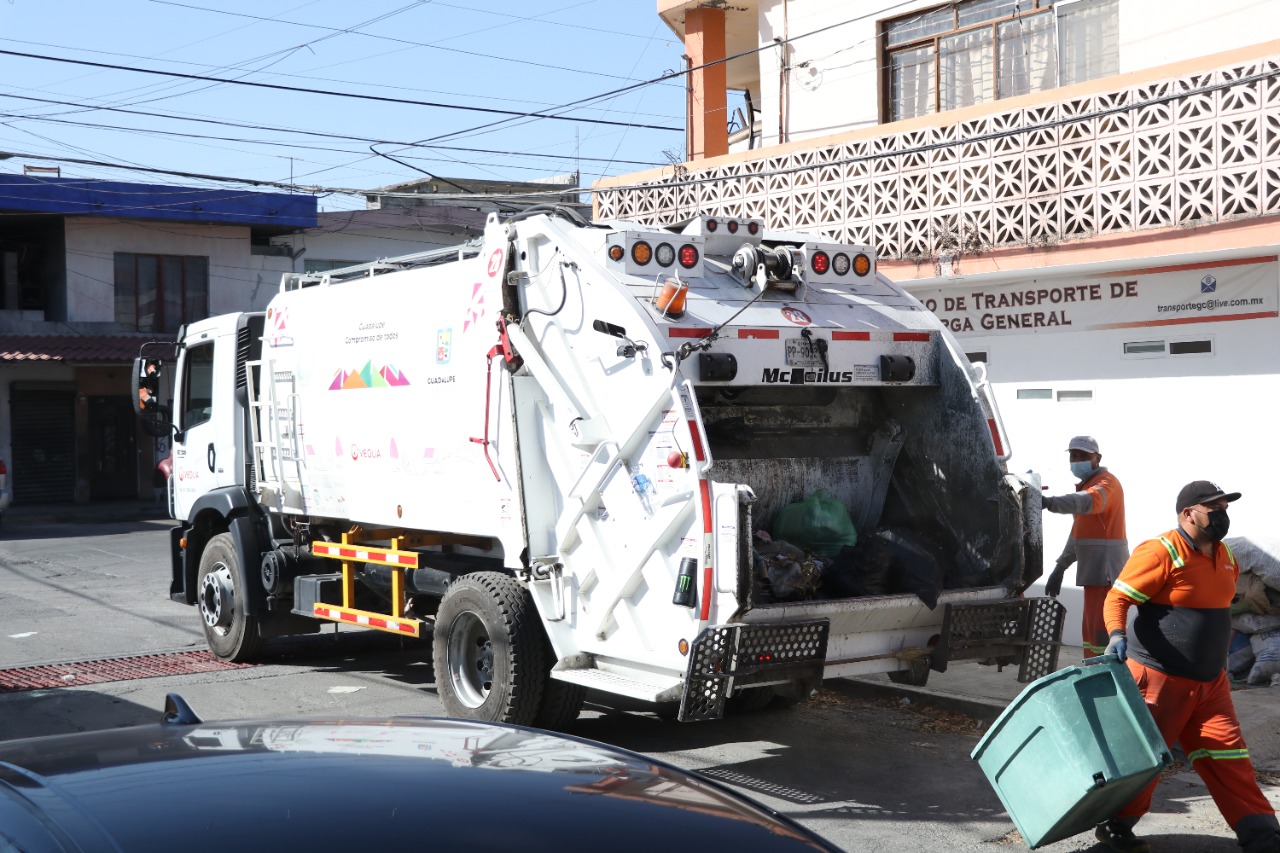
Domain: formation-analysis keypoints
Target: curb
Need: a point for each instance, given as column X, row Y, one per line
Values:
column 986, row 710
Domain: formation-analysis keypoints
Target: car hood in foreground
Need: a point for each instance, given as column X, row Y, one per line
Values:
column 436, row 783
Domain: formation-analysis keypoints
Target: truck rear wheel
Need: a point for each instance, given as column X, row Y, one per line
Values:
column 489, row 650
column 562, row 701
column 231, row 633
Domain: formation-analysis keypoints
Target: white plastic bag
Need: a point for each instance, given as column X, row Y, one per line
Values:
column 1266, row 655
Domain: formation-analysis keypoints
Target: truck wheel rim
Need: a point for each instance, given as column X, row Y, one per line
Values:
column 216, row 598
column 470, row 660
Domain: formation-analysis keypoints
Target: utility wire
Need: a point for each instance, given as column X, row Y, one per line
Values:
column 331, row 93
column 270, row 129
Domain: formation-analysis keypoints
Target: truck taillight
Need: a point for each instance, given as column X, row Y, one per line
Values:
column 641, row 252
column 688, row 256
column 840, row 264
column 664, row 255
column 820, row 263
column 712, row 225
column 732, row 225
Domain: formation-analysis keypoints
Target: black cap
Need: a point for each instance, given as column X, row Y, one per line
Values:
column 1202, row 492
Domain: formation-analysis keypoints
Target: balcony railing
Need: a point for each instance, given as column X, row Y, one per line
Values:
column 1189, row 150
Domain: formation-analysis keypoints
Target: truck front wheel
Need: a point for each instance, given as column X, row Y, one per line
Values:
column 489, row 650
column 231, row 633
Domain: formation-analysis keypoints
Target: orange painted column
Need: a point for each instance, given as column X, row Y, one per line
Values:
column 708, row 113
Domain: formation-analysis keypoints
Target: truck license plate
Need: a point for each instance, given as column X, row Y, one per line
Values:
column 802, row 353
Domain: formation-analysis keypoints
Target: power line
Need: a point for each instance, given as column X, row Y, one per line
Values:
column 524, row 62
column 304, row 90
column 268, row 128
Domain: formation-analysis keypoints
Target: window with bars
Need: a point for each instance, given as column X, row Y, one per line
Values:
column 158, row 293
column 974, row 51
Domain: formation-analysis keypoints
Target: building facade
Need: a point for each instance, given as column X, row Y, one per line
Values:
column 1087, row 193
column 89, row 272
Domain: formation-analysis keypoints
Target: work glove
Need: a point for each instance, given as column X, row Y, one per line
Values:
column 1053, row 585
column 1118, row 646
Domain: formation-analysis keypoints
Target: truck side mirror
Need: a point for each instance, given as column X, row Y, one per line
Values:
column 146, row 385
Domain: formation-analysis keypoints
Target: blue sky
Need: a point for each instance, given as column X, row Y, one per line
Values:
column 533, row 55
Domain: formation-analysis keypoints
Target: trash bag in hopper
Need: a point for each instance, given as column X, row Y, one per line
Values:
column 819, row 523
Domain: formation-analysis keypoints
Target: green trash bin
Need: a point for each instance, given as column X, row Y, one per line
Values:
column 1072, row 750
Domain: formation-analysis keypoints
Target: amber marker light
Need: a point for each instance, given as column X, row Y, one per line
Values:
column 616, row 253
column 641, row 252
column 683, row 647
column 861, row 264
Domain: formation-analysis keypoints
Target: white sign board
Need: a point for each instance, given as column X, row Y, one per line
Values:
column 1196, row 293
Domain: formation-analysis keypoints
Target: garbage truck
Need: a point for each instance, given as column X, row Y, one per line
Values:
column 561, row 451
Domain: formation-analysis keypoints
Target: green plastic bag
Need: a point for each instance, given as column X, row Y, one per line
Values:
column 819, row 523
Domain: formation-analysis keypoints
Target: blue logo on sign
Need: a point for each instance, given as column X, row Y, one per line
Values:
column 1208, row 284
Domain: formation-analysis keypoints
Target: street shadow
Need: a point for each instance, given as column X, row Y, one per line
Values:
column 14, row 531
column 37, row 713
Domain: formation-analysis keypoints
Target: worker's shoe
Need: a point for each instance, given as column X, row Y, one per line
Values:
column 1119, row 836
column 1259, row 833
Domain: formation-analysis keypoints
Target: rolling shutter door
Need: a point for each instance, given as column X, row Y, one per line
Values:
column 44, row 446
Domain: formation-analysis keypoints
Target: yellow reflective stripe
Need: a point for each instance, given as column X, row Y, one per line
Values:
column 1097, row 650
column 1178, row 562
column 1218, row 754
column 1230, row 553
column 1130, row 591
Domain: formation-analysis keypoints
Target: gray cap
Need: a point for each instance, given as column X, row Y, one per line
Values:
column 1087, row 443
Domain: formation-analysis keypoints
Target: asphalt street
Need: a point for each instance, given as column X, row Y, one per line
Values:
column 868, row 767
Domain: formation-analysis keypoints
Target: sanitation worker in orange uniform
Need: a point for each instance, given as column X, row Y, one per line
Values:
column 1097, row 544
column 1182, row 584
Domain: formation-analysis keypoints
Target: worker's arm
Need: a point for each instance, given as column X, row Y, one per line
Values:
column 1053, row 584
column 1090, row 501
column 1144, row 575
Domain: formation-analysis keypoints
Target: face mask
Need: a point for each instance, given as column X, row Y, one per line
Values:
column 1219, row 524
column 1082, row 470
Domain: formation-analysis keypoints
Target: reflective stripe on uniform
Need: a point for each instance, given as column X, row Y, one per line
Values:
column 1178, row 562
column 1130, row 591
column 1219, row 754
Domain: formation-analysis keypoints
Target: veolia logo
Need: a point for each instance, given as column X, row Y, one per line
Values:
column 796, row 316
column 358, row 453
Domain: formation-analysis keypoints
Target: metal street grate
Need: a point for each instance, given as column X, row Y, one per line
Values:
column 111, row 669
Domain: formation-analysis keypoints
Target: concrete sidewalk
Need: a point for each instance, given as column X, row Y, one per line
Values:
column 983, row 692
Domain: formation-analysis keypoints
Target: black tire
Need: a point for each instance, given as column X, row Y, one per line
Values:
column 562, row 701
column 489, row 650
column 231, row 633
column 561, row 704
column 916, row 676
column 750, row 699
